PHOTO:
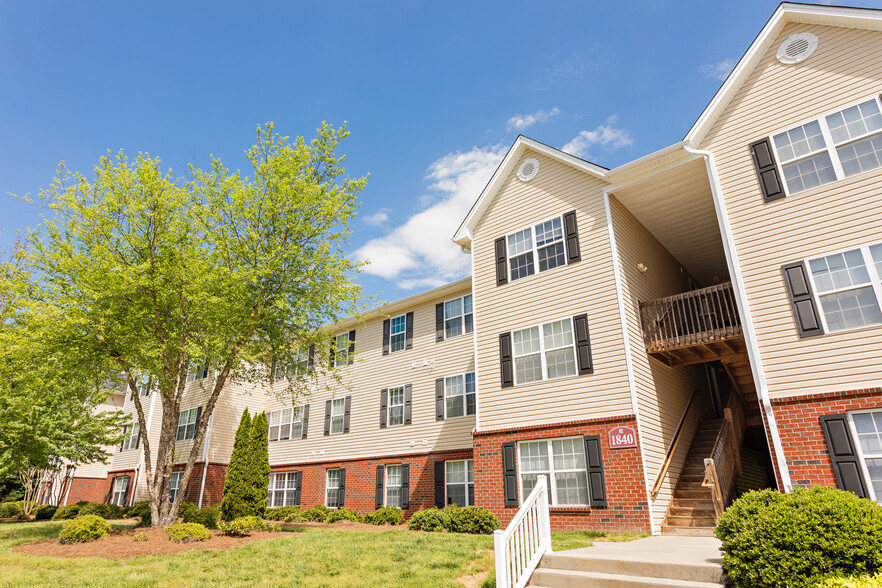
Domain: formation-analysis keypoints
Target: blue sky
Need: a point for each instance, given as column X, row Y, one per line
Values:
column 434, row 93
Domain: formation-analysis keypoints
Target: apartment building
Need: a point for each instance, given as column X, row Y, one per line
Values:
column 654, row 338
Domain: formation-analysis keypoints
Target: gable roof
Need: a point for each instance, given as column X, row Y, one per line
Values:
column 463, row 235
column 787, row 12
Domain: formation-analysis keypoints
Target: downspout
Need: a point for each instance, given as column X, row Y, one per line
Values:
column 141, row 459
column 475, row 344
column 759, row 376
column 205, row 458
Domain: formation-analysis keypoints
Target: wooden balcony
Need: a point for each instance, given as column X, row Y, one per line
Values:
column 694, row 327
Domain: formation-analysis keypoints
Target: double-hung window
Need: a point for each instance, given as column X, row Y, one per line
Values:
column 197, row 371
column 848, row 287
column 130, row 440
column 341, row 349
column 867, row 429
column 393, row 485
column 187, row 424
column 544, row 352
column 459, row 395
column 540, row 245
column 397, row 332
column 459, row 480
column 458, row 317
column 286, row 423
column 332, row 488
column 120, row 489
column 338, row 411
column 396, row 406
column 144, row 385
column 282, row 490
column 176, row 478
column 563, row 462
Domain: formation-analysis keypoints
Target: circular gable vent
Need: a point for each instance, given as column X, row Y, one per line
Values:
column 528, row 170
column 797, row 48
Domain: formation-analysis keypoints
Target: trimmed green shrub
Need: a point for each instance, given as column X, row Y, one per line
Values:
column 853, row 582
column 138, row 537
column 142, row 511
column 273, row 527
column 387, row 515
column 66, row 512
column 9, row 510
column 431, row 519
column 185, row 511
column 91, row 508
column 186, row 532
column 475, row 520
column 242, row 526
column 797, row 540
column 234, row 503
column 83, row 528
column 206, row 517
column 45, row 512
column 116, row 511
column 282, row 513
column 343, row 514
column 317, row 514
column 296, row 516
column 258, row 467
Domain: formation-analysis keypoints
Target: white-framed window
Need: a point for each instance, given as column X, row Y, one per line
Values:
column 393, row 485
column 176, row 478
column 144, row 385
column 459, row 478
column 197, row 371
column 120, row 489
column 341, row 349
column 187, row 424
column 459, row 395
column 397, row 332
column 130, row 441
column 539, row 247
column 332, row 488
column 282, row 489
column 338, row 411
column 544, row 352
column 395, row 406
column 286, row 423
column 832, row 147
column 563, row 462
column 459, row 316
column 848, row 288
column 298, row 367
column 866, row 428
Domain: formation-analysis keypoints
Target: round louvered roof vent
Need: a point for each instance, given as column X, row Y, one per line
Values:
column 797, row 48
column 528, row 170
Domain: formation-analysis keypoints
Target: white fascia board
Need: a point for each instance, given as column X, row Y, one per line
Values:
column 463, row 235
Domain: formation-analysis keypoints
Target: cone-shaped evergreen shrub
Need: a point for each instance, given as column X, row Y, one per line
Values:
column 234, row 503
column 259, row 468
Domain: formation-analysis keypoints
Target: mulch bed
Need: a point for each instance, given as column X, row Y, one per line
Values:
column 347, row 525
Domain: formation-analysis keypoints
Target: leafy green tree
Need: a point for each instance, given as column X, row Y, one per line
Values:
column 233, row 504
column 258, row 467
column 158, row 275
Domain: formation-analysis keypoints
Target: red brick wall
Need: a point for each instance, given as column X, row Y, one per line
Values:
column 805, row 448
column 88, row 489
column 627, row 508
column 361, row 479
column 214, row 483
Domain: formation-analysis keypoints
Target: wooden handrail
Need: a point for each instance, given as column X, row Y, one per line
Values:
column 724, row 463
column 678, row 434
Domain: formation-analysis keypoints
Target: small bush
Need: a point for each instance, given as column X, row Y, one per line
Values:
column 142, row 511
column 242, row 526
column 45, row 512
column 206, row 517
column 186, row 511
column 83, row 528
column 853, row 582
column 91, row 508
column 139, row 537
column 64, row 513
column 9, row 510
column 186, row 532
column 116, row 511
column 475, row 520
column 318, row 513
column 343, row 514
column 388, row 515
column 295, row 516
column 282, row 513
column 431, row 519
column 273, row 527
column 799, row 539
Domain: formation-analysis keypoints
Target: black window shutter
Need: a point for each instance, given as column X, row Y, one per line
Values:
column 305, row 419
column 506, row 362
column 439, row 399
column 583, row 344
column 510, row 474
column 332, row 353
column 198, row 420
column 766, row 170
column 408, row 393
column 572, row 236
column 843, row 454
column 405, row 486
column 327, row 417
column 386, row 329
column 501, row 262
column 439, row 321
column 408, row 331
column 138, row 440
column 346, row 406
column 123, row 442
column 311, row 361
column 341, row 491
column 808, row 323
column 378, row 500
column 384, row 393
column 351, row 347
column 298, row 486
column 596, row 485
column 439, row 484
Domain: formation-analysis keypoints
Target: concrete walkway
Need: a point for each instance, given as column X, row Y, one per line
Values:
column 692, row 562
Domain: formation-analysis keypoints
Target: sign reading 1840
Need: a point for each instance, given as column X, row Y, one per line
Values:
column 622, row 437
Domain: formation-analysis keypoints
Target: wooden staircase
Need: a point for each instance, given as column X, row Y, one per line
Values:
column 692, row 509
column 739, row 372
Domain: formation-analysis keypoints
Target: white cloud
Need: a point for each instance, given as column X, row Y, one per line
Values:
column 419, row 253
column 606, row 136
column 718, row 70
column 522, row 121
column 378, row 218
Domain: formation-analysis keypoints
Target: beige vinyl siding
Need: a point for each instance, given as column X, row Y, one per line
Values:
column 662, row 392
column 99, row 469
column 363, row 380
column 584, row 287
column 843, row 70
column 233, row 401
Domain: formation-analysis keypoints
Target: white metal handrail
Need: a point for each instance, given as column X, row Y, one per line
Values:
column 520, row 547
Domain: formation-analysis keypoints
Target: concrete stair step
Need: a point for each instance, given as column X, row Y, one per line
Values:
column 549, row 578
column 688, row 531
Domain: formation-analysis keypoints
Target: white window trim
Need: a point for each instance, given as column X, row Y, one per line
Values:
column 328, row 486
column 117, row 490
column 462, row 315
column 871, row 492
column 542, row 351
column 389, row 405
column 466, row 483
column 552, row 481
column 875, row 282
column 274, row 489
column 830, row 147
column 465, row 393
column 535, row 248
column 175, row 476
column 193, row 410
column 341, row 352
column 197, row 371
column 341, row 416
column 300, row 367
column 386, row 484
column 296, row 417
column 402, row 333
column 131, row 437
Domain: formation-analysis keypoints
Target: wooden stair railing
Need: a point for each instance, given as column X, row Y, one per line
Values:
column 724, row 463
column 678, row 434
